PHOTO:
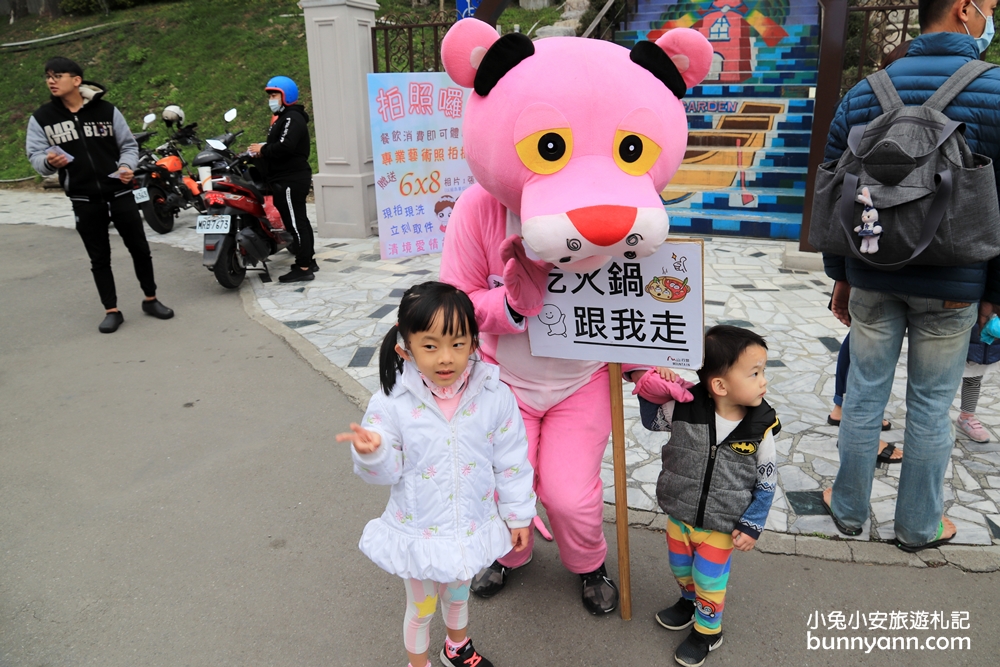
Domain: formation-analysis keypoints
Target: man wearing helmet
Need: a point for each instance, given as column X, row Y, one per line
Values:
column 286, row 162
column 86, row 140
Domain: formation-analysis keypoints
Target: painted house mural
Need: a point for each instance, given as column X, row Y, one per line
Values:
column 745, row 168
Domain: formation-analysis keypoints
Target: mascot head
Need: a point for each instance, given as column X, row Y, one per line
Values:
column 577, row 136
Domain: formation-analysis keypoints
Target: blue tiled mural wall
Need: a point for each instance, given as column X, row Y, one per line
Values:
column 744, row 172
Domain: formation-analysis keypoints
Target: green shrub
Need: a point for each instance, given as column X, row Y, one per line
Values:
column 136, row 55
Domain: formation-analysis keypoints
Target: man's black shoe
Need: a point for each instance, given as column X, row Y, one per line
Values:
column 490, row 580
column 678, row 617
column 313, row 266
column 296, row 275
column 693, row 650
column 111, row 322
column 157, row 309
column 600, row 595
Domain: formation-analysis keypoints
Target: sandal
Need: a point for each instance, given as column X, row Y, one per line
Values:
column 936, row 542
column 885, row 456
column 886, row 424
column 850, row 532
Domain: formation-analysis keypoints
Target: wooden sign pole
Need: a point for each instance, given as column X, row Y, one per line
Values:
column 621, row 491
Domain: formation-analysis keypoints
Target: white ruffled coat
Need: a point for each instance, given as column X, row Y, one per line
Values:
column 442, row 522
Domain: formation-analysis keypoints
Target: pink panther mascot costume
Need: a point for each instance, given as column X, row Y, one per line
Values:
column 570, row 141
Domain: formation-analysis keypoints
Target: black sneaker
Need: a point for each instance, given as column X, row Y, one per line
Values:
column 469, row 657
column 296, row 275
column 111, row 322
column 157, row 309
column 600, row 595
column 678, row 617
column 693, row 650
column 313, row 266
column 490, row 580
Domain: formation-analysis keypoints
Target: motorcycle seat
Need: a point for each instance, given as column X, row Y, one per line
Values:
column 251, row 187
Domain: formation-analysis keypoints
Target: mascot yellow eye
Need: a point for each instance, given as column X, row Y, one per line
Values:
column 634, row 153
column 547, row 151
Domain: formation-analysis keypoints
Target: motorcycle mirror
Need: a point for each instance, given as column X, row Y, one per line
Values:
column 148, row 120
column 216, row 144
column 230, row 115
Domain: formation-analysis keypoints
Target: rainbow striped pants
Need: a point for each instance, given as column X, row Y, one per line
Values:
column 699, row 560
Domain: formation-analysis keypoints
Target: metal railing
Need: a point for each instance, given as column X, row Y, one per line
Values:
column 401, row 44
column 874, row 29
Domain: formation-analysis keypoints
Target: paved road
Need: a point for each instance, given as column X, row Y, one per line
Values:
column 171, row 495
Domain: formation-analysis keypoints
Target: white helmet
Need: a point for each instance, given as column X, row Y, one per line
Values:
column 173, row 113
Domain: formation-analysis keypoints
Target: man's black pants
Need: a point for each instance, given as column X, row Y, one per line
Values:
column 92, row 220
column 290, row 200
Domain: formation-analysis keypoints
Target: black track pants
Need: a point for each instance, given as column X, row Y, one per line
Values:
column 92, row 220
column 290, row 200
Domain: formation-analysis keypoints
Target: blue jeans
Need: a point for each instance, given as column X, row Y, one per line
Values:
column 938, row 343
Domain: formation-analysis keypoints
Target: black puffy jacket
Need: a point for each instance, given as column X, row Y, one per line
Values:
column 286, row 153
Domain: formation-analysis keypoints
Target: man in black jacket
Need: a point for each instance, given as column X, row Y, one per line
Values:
column 87, row 140
column 286, row 162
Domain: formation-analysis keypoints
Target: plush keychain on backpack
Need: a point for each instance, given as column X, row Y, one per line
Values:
column 869, row 229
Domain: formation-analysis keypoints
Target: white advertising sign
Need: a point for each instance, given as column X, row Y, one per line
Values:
column 647, row 311
column 420, row 167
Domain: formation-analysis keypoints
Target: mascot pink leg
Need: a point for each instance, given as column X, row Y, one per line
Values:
column 566, row 446
column 571, row 141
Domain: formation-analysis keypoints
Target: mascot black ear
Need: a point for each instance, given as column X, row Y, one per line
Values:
column 649, row 56
column 502, row 57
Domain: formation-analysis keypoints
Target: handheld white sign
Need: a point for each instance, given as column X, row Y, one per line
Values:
column 643, row 311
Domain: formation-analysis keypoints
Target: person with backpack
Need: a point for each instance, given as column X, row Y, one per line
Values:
column 86, row 140
column 927, row 277
column 285, row 157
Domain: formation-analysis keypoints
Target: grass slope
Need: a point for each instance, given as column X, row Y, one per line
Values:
column 206, row 55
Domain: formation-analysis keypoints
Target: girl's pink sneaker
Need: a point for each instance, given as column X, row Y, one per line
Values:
column 972, row 428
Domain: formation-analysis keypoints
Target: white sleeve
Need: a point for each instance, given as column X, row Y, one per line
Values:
column 513, row 473
column 385, row 464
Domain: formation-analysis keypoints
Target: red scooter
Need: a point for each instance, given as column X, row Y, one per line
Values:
column 238, row 231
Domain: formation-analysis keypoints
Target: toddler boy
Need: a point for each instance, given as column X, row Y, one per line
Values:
column 718, row 476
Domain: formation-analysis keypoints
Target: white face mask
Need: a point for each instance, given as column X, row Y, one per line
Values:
column 275, row 105
column 983, row 41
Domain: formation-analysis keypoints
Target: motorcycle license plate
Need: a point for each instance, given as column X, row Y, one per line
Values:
column 141, row 195
column 213, row 224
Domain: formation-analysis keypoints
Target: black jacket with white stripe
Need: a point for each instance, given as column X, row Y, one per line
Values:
column 286, row 153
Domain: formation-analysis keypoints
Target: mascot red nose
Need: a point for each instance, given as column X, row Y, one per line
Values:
column 571, row 141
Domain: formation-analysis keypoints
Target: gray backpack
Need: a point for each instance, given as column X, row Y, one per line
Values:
column 908, row 187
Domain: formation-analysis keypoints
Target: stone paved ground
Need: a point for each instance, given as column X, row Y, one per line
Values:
column 351, row 304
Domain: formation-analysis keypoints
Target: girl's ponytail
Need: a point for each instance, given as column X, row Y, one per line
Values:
column 389, row 363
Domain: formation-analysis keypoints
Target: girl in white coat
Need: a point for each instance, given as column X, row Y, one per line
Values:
column 448, row 436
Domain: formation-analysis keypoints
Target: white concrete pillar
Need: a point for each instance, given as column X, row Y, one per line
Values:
column 338, row 33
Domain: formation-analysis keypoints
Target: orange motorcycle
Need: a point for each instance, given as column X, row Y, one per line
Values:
column 162, row 188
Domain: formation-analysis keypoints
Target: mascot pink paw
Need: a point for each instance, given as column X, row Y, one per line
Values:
column 655, row 389
column 524, row 278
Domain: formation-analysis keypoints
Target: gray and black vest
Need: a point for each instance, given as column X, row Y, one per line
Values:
column 709, row 484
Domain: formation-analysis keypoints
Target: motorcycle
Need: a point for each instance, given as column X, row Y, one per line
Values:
column 162, row 189
column 238, row 232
